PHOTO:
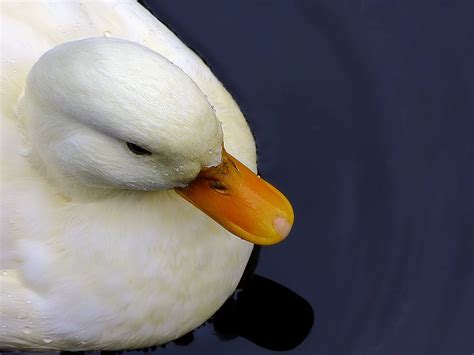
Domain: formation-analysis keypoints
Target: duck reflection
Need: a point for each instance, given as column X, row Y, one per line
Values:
column 266, row 313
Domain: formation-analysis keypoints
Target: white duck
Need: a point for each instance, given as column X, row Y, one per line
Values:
column 98, row 251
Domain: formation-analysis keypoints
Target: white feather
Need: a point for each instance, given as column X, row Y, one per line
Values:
column 82, row 270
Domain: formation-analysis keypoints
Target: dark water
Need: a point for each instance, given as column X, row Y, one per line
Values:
column 363, row 111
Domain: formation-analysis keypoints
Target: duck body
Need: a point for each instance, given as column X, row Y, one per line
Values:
column 124, row 270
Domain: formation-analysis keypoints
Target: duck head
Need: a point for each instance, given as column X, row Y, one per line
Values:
column 110, row 114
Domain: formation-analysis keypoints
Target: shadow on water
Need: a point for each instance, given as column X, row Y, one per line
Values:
column 260, row 310
column 264, row 312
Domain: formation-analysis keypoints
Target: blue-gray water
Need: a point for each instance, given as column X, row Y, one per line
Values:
column 363, row 111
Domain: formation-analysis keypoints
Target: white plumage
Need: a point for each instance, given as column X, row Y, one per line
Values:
column 93, row 261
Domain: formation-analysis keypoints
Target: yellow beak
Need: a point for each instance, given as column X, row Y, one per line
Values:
column 241, row 202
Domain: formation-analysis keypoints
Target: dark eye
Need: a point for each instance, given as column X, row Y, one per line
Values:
column 137, row 149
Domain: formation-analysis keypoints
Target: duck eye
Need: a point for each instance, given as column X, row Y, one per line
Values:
column 137, row 149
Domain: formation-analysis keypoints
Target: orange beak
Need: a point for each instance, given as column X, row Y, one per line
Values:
column 241, row 202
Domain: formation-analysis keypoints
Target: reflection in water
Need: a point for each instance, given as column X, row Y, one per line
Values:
column 260, row 310
column 266, row 313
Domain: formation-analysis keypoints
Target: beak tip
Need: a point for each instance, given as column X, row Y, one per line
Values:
column 282, row 226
